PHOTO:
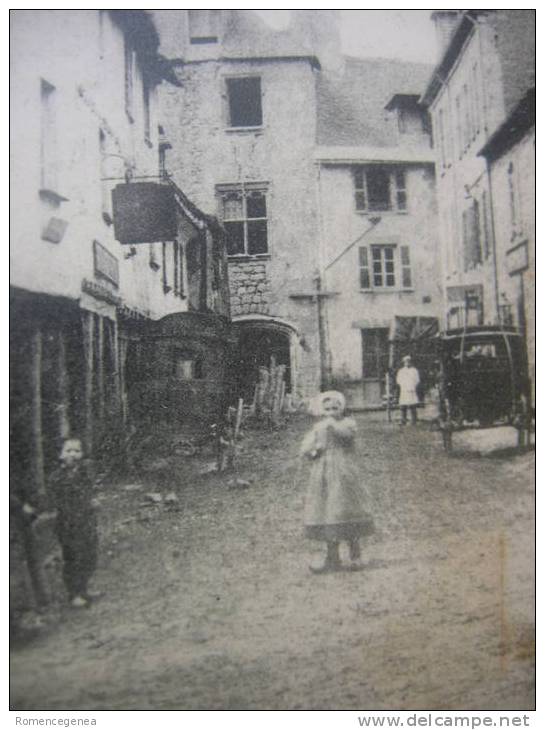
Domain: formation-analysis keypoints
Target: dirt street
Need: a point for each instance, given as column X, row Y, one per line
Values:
column 209, row 602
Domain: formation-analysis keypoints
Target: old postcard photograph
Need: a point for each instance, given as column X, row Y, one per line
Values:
column 272, row 360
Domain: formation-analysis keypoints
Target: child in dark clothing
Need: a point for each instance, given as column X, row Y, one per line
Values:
column 72, row 491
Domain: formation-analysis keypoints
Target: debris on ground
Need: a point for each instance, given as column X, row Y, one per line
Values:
column 132, row 487
column 158, row 465
column 238, row 484
column 155, row 497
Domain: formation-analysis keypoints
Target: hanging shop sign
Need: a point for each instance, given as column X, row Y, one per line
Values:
column 144, row 212
column 54, row 230
column 106, row 265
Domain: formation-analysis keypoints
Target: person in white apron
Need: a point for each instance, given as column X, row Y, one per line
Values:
column 407, row 380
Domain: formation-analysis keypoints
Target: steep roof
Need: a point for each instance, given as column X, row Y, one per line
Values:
column 351, row 105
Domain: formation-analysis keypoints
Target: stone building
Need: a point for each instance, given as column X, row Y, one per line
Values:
column 487, row 64
column 379, row 252
column 239, row 151
column 511, row 156
column 85, row 308
column 272, row 130
column 486, row 212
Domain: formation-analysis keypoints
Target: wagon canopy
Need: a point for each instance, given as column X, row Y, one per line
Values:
column 413, row 329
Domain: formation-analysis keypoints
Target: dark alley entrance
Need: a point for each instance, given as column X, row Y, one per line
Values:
column 258, row 342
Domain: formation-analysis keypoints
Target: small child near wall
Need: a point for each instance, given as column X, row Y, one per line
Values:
column 72, row 491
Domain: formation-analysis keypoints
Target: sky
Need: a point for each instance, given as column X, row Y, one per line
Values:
column 405, row 34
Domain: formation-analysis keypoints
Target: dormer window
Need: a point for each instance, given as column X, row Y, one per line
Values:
column 203, row 26
column 411, row 117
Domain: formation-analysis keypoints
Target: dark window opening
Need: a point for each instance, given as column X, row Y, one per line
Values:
column 380, row 188
column 244, row 95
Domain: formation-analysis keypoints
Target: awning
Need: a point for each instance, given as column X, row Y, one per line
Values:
column 413, row 329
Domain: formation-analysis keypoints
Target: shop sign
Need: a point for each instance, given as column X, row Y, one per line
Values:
column 144, row 212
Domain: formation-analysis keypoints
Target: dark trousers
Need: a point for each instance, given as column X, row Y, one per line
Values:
column 403, row 410
column 79, row 553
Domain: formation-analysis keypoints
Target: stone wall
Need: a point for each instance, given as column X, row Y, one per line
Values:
column 250, row 288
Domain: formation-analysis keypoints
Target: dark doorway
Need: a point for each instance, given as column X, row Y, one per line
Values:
column 374, row 364
column 257, row 344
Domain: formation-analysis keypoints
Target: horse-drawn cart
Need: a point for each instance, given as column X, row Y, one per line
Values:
column 483, row 381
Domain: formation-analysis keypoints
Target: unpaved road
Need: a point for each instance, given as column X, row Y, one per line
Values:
column 211, row 605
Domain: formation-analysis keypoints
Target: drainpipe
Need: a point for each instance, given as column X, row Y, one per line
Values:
column 324, row 374
column 494, row 247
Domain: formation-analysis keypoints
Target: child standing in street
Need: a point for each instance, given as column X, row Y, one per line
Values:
column 72, row 491
column 336, row 500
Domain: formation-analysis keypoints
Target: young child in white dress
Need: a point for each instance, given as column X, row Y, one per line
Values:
column 337, row 502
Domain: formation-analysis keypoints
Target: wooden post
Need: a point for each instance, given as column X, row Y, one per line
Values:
column 117, row 369
column 64, row 418
column 238, row 420
column 100, row 367
column 38, row 476
column 88, row 342
column 122, row 358
column 37, row 453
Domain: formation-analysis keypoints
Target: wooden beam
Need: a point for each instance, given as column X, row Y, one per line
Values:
column 64, row 418
column 88, row 347
column 100, row 368
column 37, row 452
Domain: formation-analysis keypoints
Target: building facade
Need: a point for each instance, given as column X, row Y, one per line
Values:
column 85, row 307
column 486, row 66
column 379, row 251
column 511, row 155
column 268, row 129
column 240, row 152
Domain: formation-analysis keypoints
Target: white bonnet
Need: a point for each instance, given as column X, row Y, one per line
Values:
column 317, row 403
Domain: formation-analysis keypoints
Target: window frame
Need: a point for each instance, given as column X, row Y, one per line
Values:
column 245, row 191
column 227, row 80
column 395, row 189
column 401, row 267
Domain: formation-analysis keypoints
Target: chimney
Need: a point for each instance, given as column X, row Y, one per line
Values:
column 446, row 22
column 319, row 31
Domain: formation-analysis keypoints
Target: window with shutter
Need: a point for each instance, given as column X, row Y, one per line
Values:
column 379, row 188
column 365, row 281
column 406, row 280
column 384, row 267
